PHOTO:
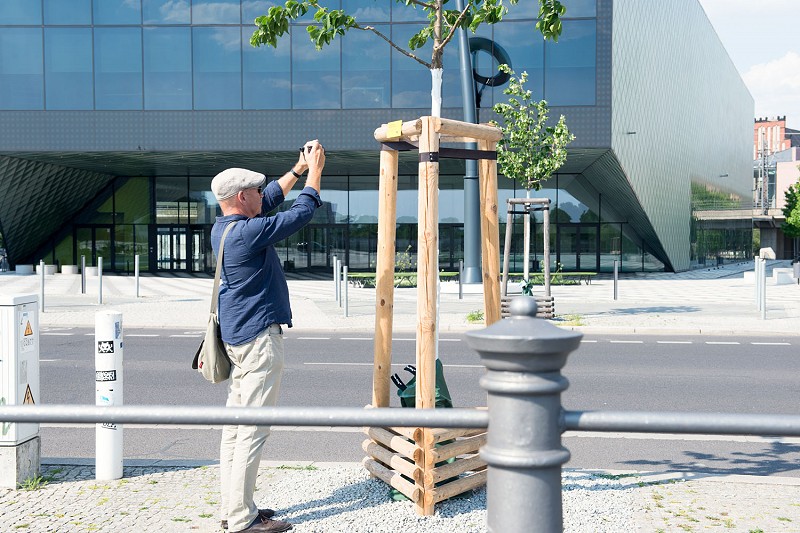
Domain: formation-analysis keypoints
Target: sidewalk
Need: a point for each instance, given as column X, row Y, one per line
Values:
column 342, row 497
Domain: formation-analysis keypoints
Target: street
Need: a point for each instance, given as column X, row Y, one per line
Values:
column 643, row 373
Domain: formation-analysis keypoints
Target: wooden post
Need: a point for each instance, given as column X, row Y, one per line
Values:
column 384, row 277
column 490, row 234
column 427, row 277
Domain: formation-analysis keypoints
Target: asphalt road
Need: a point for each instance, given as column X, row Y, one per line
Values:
column 707, row 374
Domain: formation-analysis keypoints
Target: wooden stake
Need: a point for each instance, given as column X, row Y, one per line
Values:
column 384, row 278
column 490, row 234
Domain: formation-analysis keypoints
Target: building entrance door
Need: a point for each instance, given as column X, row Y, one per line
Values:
column 201, row 253
column 95, row 241
column 172, row 249
column 577, row 247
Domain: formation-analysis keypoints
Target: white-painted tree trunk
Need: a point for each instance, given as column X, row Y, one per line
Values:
column 436, row 92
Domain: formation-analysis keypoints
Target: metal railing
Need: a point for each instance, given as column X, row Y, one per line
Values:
column 524, row 452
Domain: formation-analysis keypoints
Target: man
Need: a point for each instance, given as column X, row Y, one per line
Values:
column 253, row 304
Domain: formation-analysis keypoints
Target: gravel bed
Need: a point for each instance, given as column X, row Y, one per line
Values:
column 345, row 498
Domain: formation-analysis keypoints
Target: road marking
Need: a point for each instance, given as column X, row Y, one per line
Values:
column 48, row 360
column 189, row 336
column 313, row 338
column 395, row 339
column 142, row 335
column 449, row 340
column 627, row 342
column 59, row 334
column 722, row 342
column 355, row 339
column 588, row 341
column 771, row 343
column 674, row 342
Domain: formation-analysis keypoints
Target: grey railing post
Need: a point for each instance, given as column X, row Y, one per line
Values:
column 524, row 356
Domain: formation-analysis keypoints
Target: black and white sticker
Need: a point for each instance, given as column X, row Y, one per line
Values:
column 105, row 346
column 105, row 375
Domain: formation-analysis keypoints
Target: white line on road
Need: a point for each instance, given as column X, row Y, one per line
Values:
column 142, row 335
column 356, row 338
column 722, row 342
column 771, row 343
column 588, row 341
column 313, row 338
column 674, row 342
column 48, row 360
column 627, row 342
column 59, row 334
column 189, row 336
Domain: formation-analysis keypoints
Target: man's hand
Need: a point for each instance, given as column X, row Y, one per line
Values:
column 315, row 158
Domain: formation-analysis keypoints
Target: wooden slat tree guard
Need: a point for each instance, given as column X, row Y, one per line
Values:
column 406, row 458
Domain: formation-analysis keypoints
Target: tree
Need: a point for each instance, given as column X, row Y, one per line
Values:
column 441, row 27
column 791, row 228
column 530, row 151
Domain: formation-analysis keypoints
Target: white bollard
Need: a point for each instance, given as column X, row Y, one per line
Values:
column 337, row 267
column 346, row 302
column 136, row 272
column 100, row 280
column 335, row 287
column 108, row 392
column 41, row 285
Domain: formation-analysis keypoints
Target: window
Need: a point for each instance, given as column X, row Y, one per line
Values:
column 316, row 74
column 21, row 79
column 525, row 47
column 216, row 12
column 68, row 68
column 20, row 12
column 365, row 70
column 67, row 12
column 368, row 10
column 117, row 12
column 217, row 68
column 118, row 68
column 166, row 12
column 267, row 76
column 570, row 65
column 167, row 68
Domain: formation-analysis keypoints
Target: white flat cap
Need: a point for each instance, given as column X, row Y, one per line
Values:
column 230, row 181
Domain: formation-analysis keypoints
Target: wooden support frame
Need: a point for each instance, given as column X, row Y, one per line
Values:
column 406, row 458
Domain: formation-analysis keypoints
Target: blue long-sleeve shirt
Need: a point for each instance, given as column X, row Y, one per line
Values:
column 253, row 291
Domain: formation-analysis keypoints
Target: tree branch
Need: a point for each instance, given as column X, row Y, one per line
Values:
column 423, row 4
column 402, row 51
column 453, row 28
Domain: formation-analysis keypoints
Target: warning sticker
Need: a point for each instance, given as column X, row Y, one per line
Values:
column 28, row 397
column 27, row 337
column 28, row 329
column 105, row 346
column 105, row 375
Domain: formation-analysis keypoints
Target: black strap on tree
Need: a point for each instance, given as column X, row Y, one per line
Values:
column 445, row 153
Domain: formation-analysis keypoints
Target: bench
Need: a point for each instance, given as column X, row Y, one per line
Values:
column 557, row 278
column 545, row 306
column 408, row 279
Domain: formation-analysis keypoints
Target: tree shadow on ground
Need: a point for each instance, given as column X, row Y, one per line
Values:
column 656, row 309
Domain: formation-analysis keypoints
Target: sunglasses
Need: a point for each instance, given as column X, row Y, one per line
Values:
column 259, row 189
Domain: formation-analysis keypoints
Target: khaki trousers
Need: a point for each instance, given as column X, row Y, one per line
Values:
column 256, row 369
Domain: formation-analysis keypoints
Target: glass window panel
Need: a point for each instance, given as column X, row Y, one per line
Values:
column 610, row 246
column 577, row 198
column 451, row 199
column 141, row 236
column 267, row 75
column 68, row 68
column 524, row 10
column 631, row 251
column 368, row 10
column 117, row 12
column 411, row 81
column 366, row 70
column 334, row 199
column 61, row 12
column 124, row 248
column 166, row 12
column 316, row 74
column 21, row 77
column 118, row 68
column 363, row 243
column 167, row 68
column 251, row 9
column 407, row 199
column 216, row 12
column 525, row 46
column 402, row 13
column 63, row 252
column 20, row 12
column 570, row 65
column 217, row 68
column 101, row 210
column 133, row 201
column 580, row 8
column 172, row 201
column 363, row 200
column 202, row 203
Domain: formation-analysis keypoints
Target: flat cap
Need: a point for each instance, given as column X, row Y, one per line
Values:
column 232, row 180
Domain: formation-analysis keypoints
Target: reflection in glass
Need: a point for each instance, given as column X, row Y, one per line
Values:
column 368, row 10
column 365, row 70
column 117, row 12
column 316, row 81
column 610, row 246
column 202, row 203
column 580, row 8
column 267, row 81
column 21, row 78
column 526, row 50
column 411, row 81
column 61, row 12
column 570, row 70
column 132, row 201
column 118, row 68
column 20, row 12
column 217, row 63
column 166, row 12
column 215, row 12
column 68, row 68
column 172, row 206
column 167, row 68
column 255, row 8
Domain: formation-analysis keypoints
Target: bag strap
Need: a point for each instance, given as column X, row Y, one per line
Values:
column 215, row 292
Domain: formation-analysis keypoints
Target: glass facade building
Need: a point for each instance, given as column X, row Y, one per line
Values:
column 130, row 107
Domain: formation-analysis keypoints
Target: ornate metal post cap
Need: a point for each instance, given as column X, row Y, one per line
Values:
column 523, row 342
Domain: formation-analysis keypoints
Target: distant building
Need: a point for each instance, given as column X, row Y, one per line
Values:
column 773, row 133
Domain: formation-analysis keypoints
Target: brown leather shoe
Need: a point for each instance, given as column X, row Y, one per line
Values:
column 263, row 513
column 267, row 525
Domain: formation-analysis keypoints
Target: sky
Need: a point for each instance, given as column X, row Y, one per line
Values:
column 763, row 41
